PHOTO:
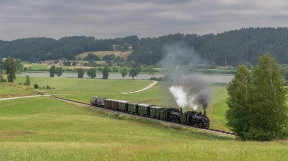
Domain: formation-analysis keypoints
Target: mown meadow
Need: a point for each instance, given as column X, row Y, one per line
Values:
column 10, row 90
column 84, row 89
column 48, row 129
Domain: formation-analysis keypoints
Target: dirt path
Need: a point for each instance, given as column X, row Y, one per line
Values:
column 12, row 98
column 147, row 87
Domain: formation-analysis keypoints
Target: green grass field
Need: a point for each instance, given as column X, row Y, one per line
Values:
column 37, row 67
column 84, row 89
column 48, row 129
column 10, row 90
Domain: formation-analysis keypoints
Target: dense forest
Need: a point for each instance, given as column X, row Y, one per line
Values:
column 229, row 48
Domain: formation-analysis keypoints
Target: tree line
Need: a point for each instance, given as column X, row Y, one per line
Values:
column 230, row 48
column 91, row 72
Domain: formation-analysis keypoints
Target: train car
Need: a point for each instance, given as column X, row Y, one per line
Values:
column 97, row 101
column 155, row 111
column 133, row 108
column 107, row 103
column 111, row 104
column 144, row 109
column 191, row 118
column 123, row 106
column 114, row 105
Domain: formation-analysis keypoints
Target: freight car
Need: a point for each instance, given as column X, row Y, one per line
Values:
column 191, row 118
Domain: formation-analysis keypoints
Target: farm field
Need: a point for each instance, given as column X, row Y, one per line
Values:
column 48, row 129
column 37, row 67
column 100, row 54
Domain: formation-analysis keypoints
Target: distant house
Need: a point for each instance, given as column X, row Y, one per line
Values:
column 116, row 47
column 53, row 62
column 4, row 59
column 130, row 47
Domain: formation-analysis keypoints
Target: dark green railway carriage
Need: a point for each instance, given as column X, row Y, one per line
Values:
column 144, row 109
column 123, row 106
column 155, row 111
column 133, row 108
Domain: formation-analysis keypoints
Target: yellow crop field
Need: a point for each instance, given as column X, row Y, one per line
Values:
column 100, row 54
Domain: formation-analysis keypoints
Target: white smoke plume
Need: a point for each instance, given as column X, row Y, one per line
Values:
column 189, row 90
column 179, row 95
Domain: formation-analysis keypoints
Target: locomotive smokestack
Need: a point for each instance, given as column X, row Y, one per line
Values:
column 204, row 112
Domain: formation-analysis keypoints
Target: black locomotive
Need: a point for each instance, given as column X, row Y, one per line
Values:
column 176, row 115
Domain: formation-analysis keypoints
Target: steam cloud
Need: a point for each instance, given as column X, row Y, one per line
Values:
column 189, row 90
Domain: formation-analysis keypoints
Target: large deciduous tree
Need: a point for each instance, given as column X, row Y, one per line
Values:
column 268, row 114
column 257, row 105
column 91, row 72
column 105, row 73
column 52, row 71
column 80, row 72
column 11, row 68
column 238, row 101
column 133, row 72
column 59, row 71
column 124, row 72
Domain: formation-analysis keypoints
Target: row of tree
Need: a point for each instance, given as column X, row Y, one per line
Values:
column 229, row 48
column 257, row 102
column 91, row 72
column 55, row 70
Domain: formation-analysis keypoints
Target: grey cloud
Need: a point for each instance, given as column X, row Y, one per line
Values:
column 110, row 18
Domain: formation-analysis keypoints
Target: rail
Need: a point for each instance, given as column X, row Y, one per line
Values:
column 215, row 131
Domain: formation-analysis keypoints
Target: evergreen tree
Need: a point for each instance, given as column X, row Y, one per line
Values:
column 52, row 71
column 80, row 72
column 124, row 73
column 238, row 101
column 105, row 73
column 11, row 68
column 268, row 114
column 91, row 72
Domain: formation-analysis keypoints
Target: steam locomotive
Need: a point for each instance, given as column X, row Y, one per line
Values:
column 192, row 118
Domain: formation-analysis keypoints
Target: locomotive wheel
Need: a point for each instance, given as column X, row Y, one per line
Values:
column 201, row 125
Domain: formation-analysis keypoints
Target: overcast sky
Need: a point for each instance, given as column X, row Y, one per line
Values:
column 144, row 18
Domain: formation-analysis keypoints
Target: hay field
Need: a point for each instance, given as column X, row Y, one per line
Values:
column 100, row 54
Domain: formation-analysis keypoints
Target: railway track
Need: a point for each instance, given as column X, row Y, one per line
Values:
column 214, row 131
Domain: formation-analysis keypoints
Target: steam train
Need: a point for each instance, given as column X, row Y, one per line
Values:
column 192, row 118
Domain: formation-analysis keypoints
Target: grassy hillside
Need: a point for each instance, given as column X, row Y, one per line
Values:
column 84, row 89
column 10, row 90
column 100, row 54
column 218, row 108
column 47, row 129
